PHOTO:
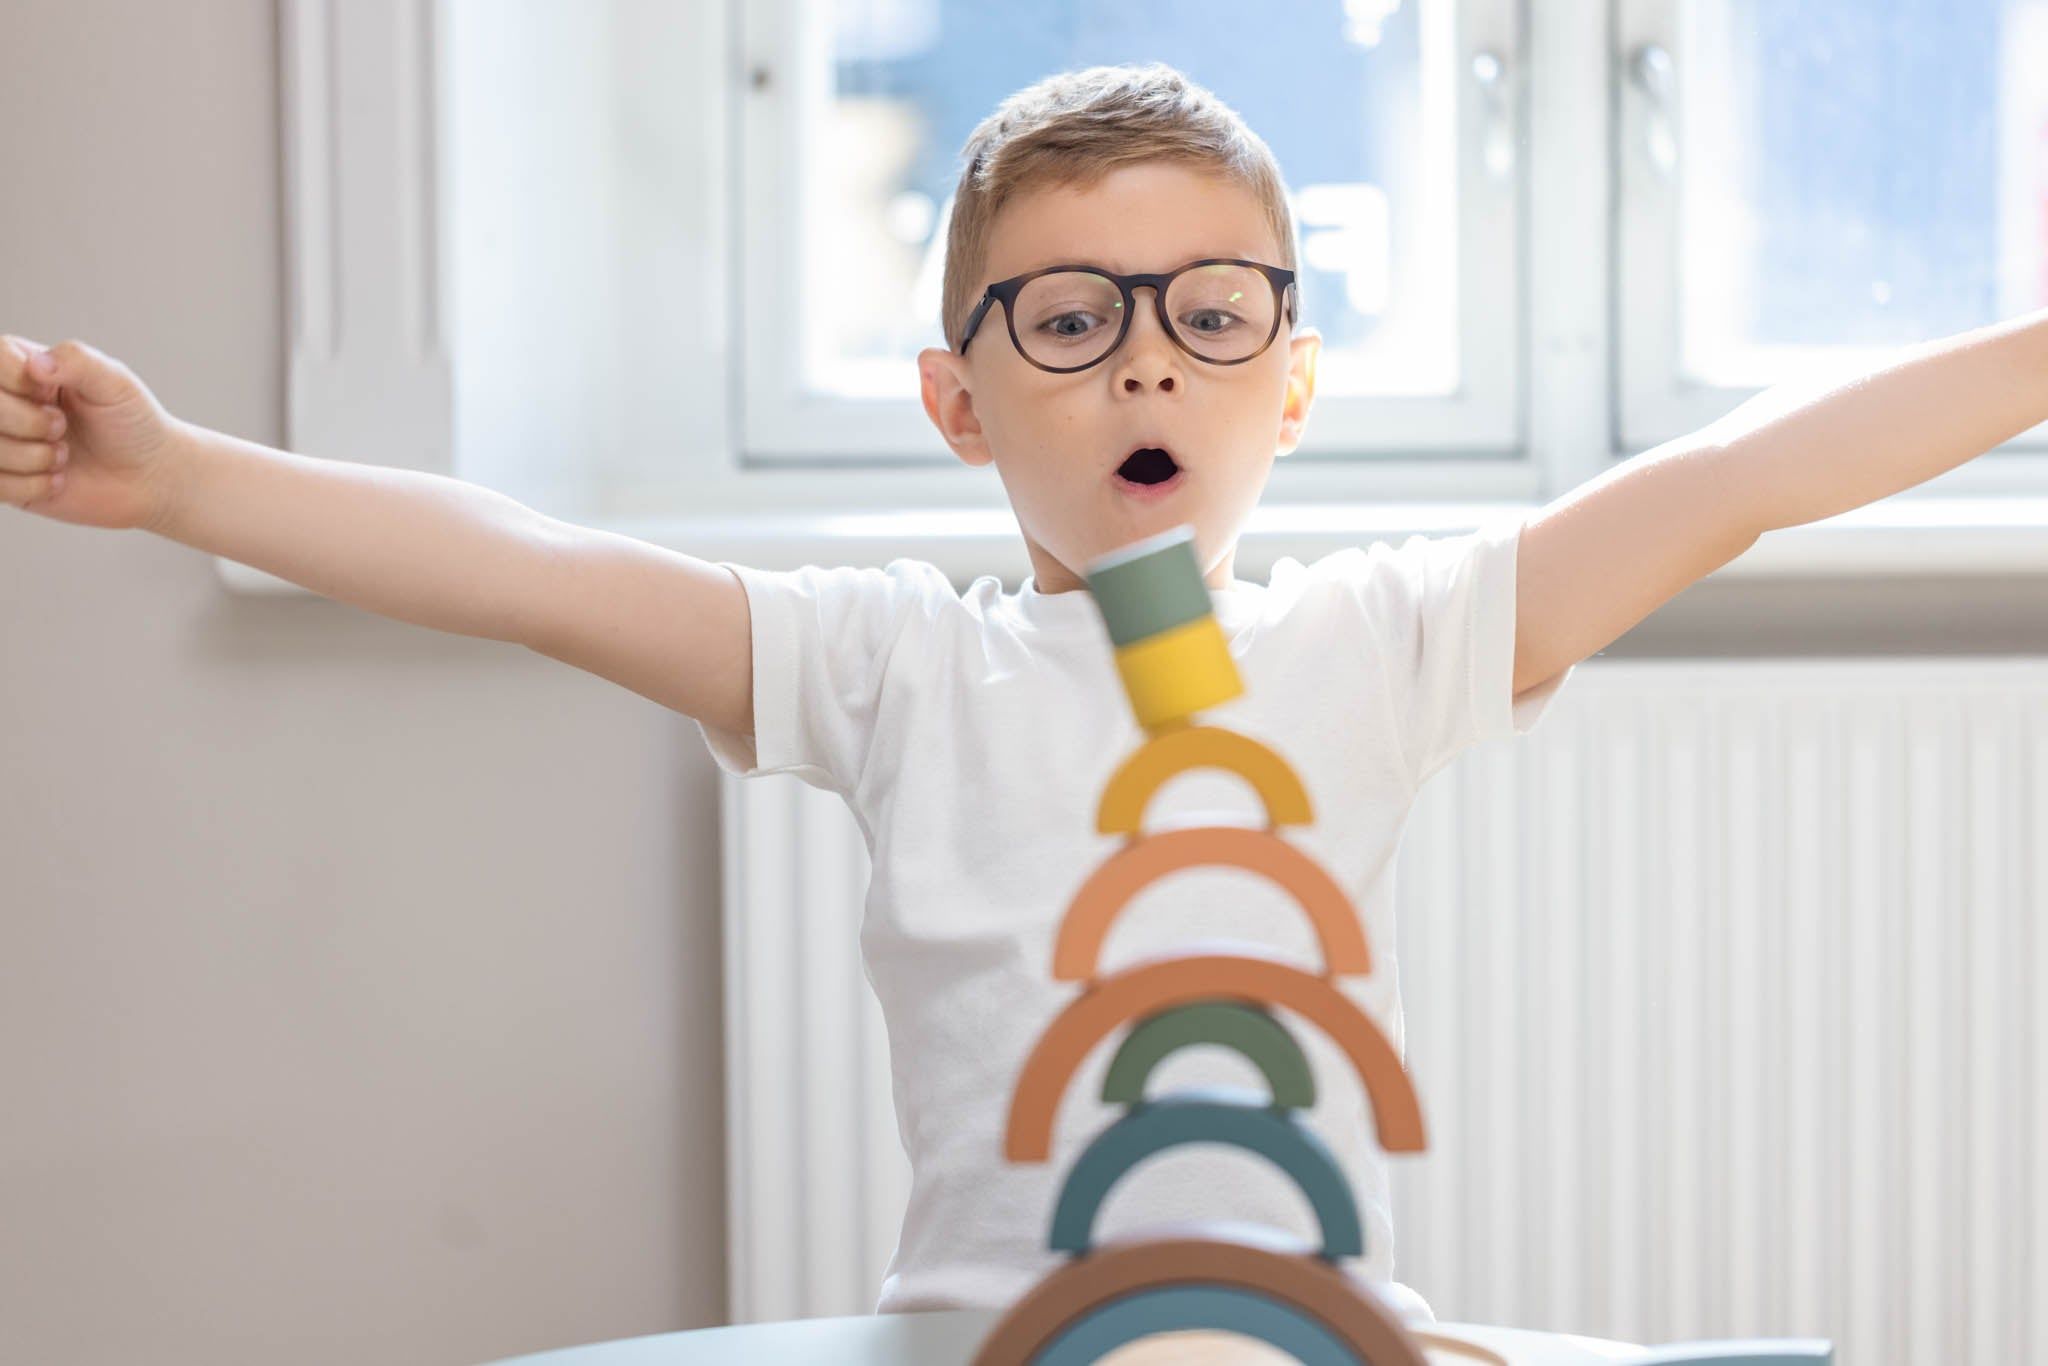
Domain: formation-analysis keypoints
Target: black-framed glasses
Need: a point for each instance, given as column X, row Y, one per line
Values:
column 1068, row 317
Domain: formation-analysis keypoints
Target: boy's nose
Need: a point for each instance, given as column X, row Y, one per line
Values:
column 1147, row 355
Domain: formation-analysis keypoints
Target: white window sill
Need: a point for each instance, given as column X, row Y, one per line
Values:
column 1897, row 536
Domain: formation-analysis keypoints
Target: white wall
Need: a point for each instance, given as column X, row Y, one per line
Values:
column 358, row 984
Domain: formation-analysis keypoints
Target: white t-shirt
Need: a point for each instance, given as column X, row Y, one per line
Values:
column 972, row 734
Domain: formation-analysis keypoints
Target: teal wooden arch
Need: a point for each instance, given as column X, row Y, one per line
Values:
column 1249, row 1028
column 1212, row 1114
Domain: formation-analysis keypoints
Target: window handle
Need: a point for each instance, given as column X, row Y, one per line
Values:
column 1650, row 70
column 1497, row 133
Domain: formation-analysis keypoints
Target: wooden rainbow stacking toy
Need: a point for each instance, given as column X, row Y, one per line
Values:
column 1173, row 659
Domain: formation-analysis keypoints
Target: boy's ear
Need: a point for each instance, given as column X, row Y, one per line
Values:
column 1303, row 352
column 943, row 379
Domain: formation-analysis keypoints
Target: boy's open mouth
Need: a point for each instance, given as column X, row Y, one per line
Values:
column 1147, row 466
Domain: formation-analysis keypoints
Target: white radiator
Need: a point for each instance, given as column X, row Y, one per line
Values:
column 1721, row 1005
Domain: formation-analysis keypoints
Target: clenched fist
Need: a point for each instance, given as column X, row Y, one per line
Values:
column 81, row 438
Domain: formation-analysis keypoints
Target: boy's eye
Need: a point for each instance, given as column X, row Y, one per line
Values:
column 1210, row 320
column 1067, row 324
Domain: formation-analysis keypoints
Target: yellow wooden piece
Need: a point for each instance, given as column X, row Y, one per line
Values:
column 1174, row 674
column 1156, row 762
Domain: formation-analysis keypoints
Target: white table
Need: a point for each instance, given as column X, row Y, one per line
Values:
column 948, row 1337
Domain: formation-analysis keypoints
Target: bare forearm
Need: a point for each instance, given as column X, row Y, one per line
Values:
column 1801, row 452
column 423, row 548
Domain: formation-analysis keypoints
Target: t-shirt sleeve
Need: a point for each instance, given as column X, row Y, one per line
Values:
column 1443, row 608
column 822, row 642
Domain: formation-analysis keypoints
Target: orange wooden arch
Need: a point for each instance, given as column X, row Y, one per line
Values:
column 1156, row 762
column 1240, row 972
column 1140, row 863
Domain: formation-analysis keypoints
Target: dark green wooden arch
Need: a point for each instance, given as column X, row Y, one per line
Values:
column 1247, row 1027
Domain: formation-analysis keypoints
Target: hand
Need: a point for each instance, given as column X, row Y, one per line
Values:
column 82, row 440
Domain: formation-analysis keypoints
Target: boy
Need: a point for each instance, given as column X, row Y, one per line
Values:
column 971, row 732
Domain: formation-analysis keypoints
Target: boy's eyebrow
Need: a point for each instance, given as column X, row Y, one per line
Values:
column 1115, row 269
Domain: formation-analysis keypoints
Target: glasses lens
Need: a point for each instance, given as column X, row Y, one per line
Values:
column 1069, row 317
column 1222, row 312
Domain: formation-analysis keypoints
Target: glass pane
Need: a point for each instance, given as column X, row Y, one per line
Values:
column 1855, row 176
column 1370, row 163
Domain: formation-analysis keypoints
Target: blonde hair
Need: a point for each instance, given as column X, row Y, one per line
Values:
column 1074, row 128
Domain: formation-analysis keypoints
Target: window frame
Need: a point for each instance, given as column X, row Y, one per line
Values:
column 1356, row 445
column 365, row 186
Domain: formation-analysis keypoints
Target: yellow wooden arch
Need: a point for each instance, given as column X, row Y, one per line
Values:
column 1129, row 791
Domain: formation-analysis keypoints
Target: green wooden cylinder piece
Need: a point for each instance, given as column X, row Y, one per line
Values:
column 1149, row 586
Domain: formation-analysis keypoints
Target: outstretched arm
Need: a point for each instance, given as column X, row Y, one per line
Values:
column 1601, row 558
column 424, row 548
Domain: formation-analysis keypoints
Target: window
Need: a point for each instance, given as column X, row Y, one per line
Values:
column 1401, row 166
column 1912, row 204
column 641, row 263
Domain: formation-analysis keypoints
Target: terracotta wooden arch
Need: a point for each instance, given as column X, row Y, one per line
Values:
column 1246, row 1255
column 1241, row 972
column 1142, row 862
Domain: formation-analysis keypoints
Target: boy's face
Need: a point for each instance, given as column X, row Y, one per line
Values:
column 1056, row 440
